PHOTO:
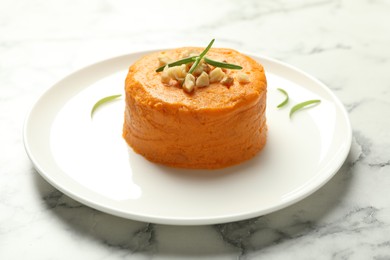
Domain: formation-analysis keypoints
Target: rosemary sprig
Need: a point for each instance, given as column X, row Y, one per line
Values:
column 103, row 101
column 194, row 65
column 222, row 64
column 200, row 57
column 177, row 63
column 196, row 60
column 303, row 105
column 285, row 101
column 207, row 49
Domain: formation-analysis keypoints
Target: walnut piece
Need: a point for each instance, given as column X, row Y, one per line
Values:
column 243, row 78
column 216, row 75
column 227, row 81
column 202, row 76
column 177, row 72
column 164, row 59
column 189, row 83
column 165, row 78
column 203, row 80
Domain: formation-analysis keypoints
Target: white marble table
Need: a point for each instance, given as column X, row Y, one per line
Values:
column 346, row 44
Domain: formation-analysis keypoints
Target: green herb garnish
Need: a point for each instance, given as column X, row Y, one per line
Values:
column 177, row 63
column 222, row 64
column 196, row 60
column 207, row 49
column 103, row 101
column 285, row 101
column 303, row 105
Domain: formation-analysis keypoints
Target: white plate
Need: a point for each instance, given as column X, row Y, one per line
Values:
column 89, row 161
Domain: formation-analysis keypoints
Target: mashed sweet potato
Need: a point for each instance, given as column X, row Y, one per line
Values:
column 213, row 127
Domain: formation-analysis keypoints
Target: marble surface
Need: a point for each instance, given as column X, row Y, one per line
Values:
column 343, row 43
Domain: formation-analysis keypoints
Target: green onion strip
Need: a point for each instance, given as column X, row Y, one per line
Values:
column 302, row 105
column 285, row 101
column 102, row 101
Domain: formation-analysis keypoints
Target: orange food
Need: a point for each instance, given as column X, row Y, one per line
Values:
column 212, row 127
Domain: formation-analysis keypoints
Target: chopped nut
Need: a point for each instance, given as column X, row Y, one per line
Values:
column 203, row 80
column 243, row 78
column 174, row 83
column 189, row 53
column 188, row 66
column 216, row 75
column 185, row 53
column 227, row 81
column 199, row 69
column 164, row 59
column 189, row 83
column 206, row 68
column 193, row 53
column 165, row 78
column 178, row 72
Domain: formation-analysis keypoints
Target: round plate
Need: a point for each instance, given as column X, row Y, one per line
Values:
column 87, row 159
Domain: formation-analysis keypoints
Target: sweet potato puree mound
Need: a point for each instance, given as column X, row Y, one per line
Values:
column 213, row 127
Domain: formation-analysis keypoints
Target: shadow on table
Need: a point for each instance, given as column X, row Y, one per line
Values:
column 222, row 240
